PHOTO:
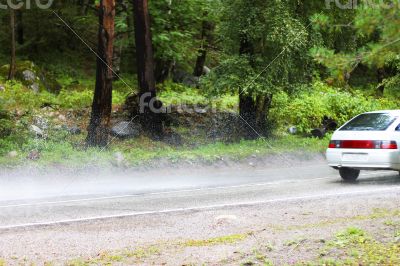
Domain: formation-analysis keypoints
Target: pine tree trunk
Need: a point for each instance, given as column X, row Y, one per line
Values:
column 263, row 105
column 11, row 73
column 144, row 47
column 200, row 62
column 149, row 119
column 19, row 26
column 84, row 7
column 381, row 73
column 247, row 104
column 206, row 38
column 98, row 129
column 248, row 114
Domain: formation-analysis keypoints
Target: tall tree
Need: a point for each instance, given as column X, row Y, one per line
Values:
column 377, row 47
column 206, row 39
column 102, row 101
column 19, row 26
column 264, row 46
column 84, row 7
column 150, row 120
column 13, row 67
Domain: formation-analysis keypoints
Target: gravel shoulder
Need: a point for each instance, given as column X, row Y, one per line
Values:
column 278, row 233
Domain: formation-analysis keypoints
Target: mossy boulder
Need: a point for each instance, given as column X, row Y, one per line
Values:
column 33, row 77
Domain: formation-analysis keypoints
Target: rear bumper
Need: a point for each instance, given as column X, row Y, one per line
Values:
column 371, row 159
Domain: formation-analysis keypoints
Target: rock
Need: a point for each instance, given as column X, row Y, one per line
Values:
column 41, row 122
column 125, row 129
column 181, row 76
column 206, row 70
column 34, row 87
column 33, row 77
column 191, row 81
column 33, row 155
column 2, row 88
column 47, row 108
column 74, row 130
column 29, row 75
column 224, row 127
column 292, row 130
column 12, row 154
column 19, row 112
column 37, row 131
column 62, row 118
column 226, row 217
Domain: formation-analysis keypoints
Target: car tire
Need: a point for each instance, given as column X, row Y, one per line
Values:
column 349, row 174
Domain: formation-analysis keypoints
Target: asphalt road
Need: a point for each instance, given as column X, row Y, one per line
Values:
column 32, row 200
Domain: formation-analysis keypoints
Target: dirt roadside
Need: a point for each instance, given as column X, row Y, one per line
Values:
column 277, row 234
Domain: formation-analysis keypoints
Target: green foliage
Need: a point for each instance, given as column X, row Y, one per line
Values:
column 376, row 44
column 61, row 148
column 177, row 27
column 177, row 94
column 277, row 37
column 360, row 248
column 17, row 96
column 6, row 125
column 230, row 239
column 307, row 109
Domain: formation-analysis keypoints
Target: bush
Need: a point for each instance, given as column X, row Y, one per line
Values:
column 306, row 110
column 174, row 93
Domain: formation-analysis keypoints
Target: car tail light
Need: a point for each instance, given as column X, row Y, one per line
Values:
column 359, row 144
column 363, row 144
column 334, row 144
column 389, row 145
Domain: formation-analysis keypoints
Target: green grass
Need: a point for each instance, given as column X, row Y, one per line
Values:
column 18, row 97
column 230, row 239
column 352, row 246
column 176, row 94
column 356, row 247
column 110, row 258
column 78, row 94
column 131, row 257
column 70, row 151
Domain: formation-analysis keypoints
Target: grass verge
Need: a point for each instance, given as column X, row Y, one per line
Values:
column 69, row 151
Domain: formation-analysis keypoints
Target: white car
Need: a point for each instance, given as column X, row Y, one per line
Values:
column 370, row 141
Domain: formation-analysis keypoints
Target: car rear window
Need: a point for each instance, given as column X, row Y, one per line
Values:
column 370, row 122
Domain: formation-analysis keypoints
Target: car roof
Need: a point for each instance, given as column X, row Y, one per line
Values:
column 392, row 112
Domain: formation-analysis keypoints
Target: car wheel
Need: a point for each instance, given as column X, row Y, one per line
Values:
column 349, row 174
